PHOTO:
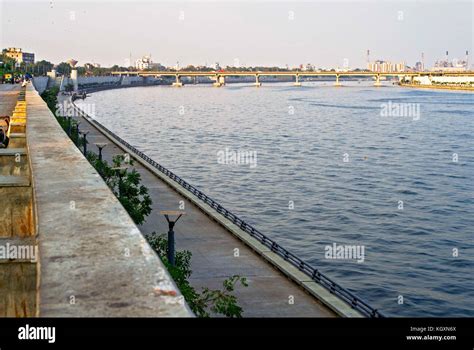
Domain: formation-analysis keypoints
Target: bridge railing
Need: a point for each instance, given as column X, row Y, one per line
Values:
column 354, row 301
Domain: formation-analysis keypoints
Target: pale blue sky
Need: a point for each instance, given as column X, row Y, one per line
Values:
column 254, row 33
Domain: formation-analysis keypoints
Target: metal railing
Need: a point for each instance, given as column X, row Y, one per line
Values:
column 354, row 301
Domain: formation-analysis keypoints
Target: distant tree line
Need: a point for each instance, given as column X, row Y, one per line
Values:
column 42, row 67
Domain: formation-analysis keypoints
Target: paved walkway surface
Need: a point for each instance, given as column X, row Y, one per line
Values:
column 9, row 94
column 269, row 293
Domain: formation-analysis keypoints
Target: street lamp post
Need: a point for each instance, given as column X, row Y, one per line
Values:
column 77, row 133
column 85, row 141
column 69, row 125
column 100, row 146
column 171, row 223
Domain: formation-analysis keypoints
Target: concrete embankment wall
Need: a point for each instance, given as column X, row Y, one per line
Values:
column 425, row 80
column 93, row 260
column 98, row 80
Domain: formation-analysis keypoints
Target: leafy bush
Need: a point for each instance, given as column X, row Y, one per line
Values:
column 50, row 96
column 221, row 302
column 125, row 184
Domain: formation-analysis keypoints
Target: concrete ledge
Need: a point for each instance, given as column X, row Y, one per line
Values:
column 337, row 305
column 93, row 259
column 17, row 215
column 14, row 181
column 12, row 151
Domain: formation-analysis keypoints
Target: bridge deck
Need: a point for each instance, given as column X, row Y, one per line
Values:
column 212, row 246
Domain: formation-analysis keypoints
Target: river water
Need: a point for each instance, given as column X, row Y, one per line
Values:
column 388, row 170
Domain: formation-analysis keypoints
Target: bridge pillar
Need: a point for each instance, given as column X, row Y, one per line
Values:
column 337, row 83
column 377, row 81
column 257, row 81
column 220, row 81
column 297, row 80
column 178, row 82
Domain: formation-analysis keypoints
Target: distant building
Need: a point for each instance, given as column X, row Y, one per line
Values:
column 419, row 67
column 450, row 66
column 19, row 55
column 386, row 66
column 143, row 63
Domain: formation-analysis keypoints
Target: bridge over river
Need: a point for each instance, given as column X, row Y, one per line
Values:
column 220, row 76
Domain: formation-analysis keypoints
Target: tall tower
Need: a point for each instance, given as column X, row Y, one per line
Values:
column 368, row 59
column 467, row 60
column 422, row 61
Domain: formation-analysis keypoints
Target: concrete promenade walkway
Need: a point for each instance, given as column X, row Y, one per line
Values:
column 9, row 94
column 270, row 292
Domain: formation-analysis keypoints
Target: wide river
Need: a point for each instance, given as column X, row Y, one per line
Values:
column 389, row 170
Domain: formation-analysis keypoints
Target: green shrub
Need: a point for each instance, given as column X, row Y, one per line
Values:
column 220, row 302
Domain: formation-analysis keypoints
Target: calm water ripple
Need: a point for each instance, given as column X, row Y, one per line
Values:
column 301, row 136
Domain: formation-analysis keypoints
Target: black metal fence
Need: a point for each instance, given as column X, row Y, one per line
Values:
column 344, row 294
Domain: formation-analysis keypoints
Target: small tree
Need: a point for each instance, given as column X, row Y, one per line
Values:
column 125, row 184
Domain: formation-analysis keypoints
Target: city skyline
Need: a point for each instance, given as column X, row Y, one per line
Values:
column 239, row 34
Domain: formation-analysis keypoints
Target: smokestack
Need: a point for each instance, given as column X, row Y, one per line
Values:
column 423, row 61
column 368, row 56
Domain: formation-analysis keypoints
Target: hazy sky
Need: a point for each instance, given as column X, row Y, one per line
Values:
column 250, row 33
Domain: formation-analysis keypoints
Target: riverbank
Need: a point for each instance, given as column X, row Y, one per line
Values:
column 439, row 87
